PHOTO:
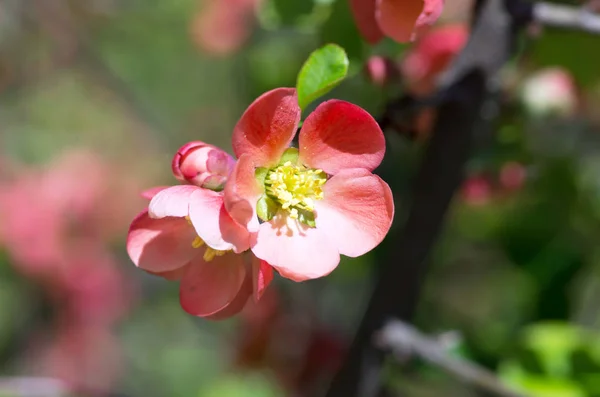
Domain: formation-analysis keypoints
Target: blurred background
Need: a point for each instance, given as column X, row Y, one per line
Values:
column 97, row 95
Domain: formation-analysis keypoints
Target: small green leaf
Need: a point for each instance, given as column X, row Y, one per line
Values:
column 260, row 174
column 324, row 69
column 266, row 208
column 290, row 155
column 307, row 217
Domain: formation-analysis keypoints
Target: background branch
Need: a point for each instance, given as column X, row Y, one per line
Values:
column 563, row 16
column 405, row 340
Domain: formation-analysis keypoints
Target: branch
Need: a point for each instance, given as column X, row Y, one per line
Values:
column 402, row 339
column 563, row 16
column 467, row 91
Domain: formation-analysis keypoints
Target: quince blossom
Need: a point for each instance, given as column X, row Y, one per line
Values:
column 401, row 20
column 187, row 234
column 315, row 202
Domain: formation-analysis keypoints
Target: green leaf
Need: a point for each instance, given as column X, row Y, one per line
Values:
column 324, row 69
column 290, row 155
column 266, row 208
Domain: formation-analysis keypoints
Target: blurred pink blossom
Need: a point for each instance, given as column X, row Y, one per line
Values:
column 58, row 223
column 550, row 91
column 223, row 26
column 476, row 190
column 431, row 55
column 513, row 175
column 401, row 20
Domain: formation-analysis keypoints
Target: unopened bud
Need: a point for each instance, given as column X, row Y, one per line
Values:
column 202, row 165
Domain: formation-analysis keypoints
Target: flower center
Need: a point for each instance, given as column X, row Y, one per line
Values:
column 295, row 187
column 210, row 253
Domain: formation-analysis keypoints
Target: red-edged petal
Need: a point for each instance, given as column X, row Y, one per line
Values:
column 241, row 193
column 153, row 191
column 160, row 245
column 238, row 303
column 267, row 127
column 404, row 20
column 208, row 288
column 172, row 275
column 213, row 223
column 356, row 212
column 339, row 135
column 262, row 275
column 296, row 251
column 364, row 15
column 173, row 201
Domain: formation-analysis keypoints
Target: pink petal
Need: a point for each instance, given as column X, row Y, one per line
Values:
column 238, row 303
column 267, row 127
column 356, row 212
column 339, row 135
column 172, row 275
column 262, row 274
column 364, row 14
column 208, row 288
column 404, row 20
column 296, row 251
column 153, row 191
column 213, row 223
column 160, row 245
column 173, row 201
column 242, row 191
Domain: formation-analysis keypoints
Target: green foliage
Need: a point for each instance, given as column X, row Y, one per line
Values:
column 324, row 69
column 289, row 11
column 341, row 29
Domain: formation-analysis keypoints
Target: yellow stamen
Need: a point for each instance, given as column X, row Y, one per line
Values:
column 210, row 254
column 295, row 187
column 198, row 242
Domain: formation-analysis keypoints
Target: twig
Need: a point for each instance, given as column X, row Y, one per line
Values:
column 469, row 85
column 563, row 16
column 402, row 339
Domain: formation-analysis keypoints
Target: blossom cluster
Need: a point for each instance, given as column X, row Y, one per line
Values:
column 278, row 207
column 57, row 226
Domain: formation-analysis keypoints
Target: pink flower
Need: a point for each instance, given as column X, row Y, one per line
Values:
column 318, row 201
column 187, row 234
column 431, row 55
column 401, row 20
column 224, row 25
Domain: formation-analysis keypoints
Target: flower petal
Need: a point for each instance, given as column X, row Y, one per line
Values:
column 241, row 193
column 173, row 201
column 296, row 251
column 172, row 275
column 160, row 245
column 153, row 191
column 262, row 275
column 339, row 135
column 267, row 127
column 364, row 15
column 238, row 303
column 213, row 223
column 404, row 20
column 208, row 288
column 356, row 212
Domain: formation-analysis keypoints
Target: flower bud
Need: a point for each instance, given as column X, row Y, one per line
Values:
column 381, row 71
column 202, row 165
